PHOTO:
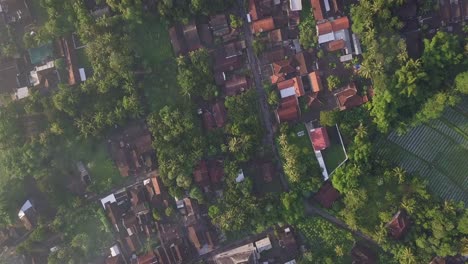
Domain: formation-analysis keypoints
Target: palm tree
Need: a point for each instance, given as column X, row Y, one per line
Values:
column 409, row 205
column 361, row 131
column 407, row 256
column 400, row 174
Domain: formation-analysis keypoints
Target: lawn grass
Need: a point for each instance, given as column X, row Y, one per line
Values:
column 154, row 47
column 82, row 59
column 333, row 155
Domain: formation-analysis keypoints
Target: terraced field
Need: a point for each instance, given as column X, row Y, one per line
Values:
column 438, row 151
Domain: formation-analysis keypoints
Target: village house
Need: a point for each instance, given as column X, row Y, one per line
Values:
column 263, row 25
column 348, row 97
column 288, row 109
column 398, row 226
column 132, row 150
column 44, row 78
column 219, row 25
column 335, row 34
column 11, row 77
column 215, row 116
column 236, row 85
column 259, row 9
column 327, row 195
column 319, row 138
column 28, row 215
column 184, row 38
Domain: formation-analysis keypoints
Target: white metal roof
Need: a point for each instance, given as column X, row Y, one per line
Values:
column 110, row 198
column 263, row 244
column 22, row 93
column 327, row 5
column 82, row 74
column 295, row 5
column 357, row 45
column 24, row 208
column 346, row 57
column 287, row 92
column 240, row 176
column 326, row 38
column 115, row 251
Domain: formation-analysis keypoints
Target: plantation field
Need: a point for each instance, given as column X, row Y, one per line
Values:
column 437, row 151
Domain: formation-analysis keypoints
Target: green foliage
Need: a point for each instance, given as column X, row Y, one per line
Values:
column 182, row 11
column 156, row 215
column 195, row 76
column 197, row 194
column 259, row 46
column 298, row 163
column 307, row 32
column 333, row 82
column 434, row 106
column 178, row 141
column 169, row 211
column 461, row 82
column 327, row 242
column 244, row 127
column 236, row 22
column 328, row 118
column 132, row 10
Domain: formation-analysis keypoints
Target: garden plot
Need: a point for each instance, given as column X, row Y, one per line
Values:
column 437, row 151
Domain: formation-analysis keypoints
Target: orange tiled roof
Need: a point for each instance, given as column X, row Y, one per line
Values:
column 317, row 8
column 263, row 25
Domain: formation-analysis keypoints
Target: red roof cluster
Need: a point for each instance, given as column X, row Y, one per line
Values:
column 207, row 173
column 319, row 137
column 327, row 195
column 333, row 26
column 349, row 98
column 236, row 85
column 295, row 82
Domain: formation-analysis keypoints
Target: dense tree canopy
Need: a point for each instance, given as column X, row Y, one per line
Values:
column 178, row 142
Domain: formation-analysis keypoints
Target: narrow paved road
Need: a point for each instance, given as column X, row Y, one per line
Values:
column 262, row 97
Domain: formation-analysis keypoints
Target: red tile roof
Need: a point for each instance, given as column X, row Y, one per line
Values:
column 253, row 10
column 148, row 258
column 288, row 109
column 263, row 25
column 235, row 85
column 317, row 8
column 281, row 69
column 156, row 185
column 340, row 23
column 216, row 171
column 208, row 121
column 115, row 260
column 348, row 97
column 336, row 45
column 319, row 137
column 191, row 35
column 219, row 114
column 295, row 82
column 274, row 55
column 398, row 225
column 324, row 28
column 327, row 195
column 177, row 40
column 333, row 26
column 200, row 174
column 315, row 81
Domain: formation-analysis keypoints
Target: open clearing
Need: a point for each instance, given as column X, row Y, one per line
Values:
column 437, row 151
